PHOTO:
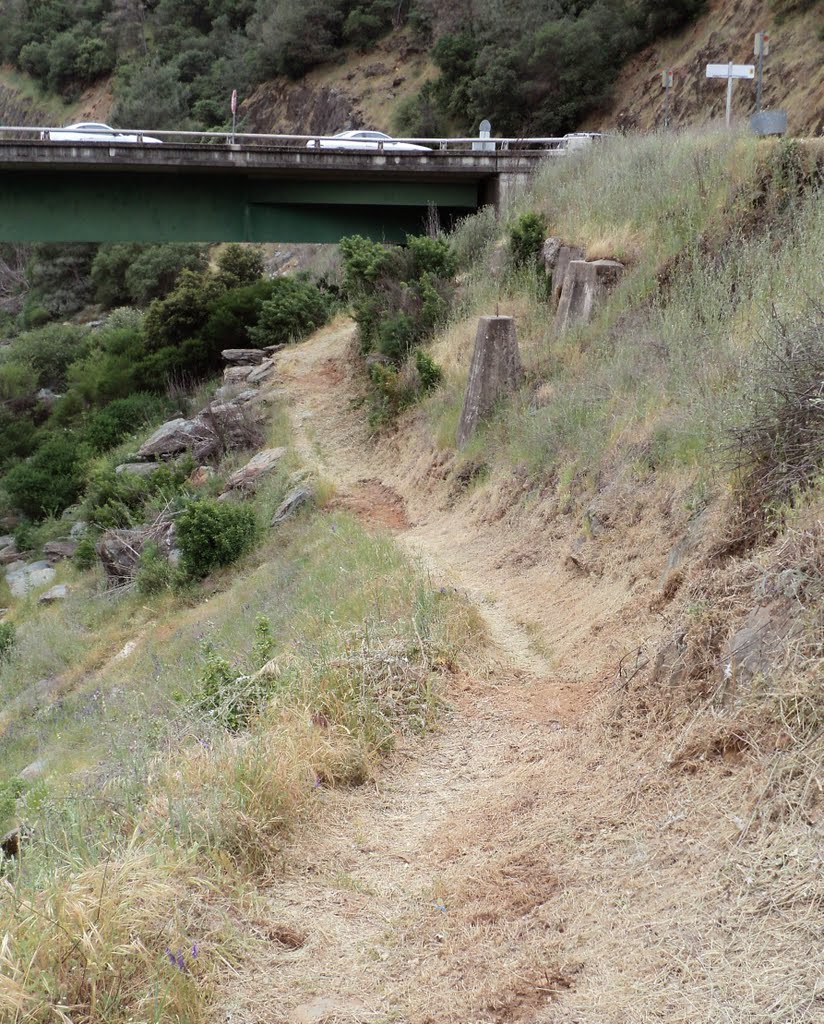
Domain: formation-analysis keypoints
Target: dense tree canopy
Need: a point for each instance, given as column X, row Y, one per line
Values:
column 530, row 65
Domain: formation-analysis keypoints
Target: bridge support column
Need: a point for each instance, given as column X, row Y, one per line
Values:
column 500, row 190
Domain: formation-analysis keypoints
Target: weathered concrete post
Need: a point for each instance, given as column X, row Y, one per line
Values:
column 557, row 258
column 495, row 371
column 585, row 286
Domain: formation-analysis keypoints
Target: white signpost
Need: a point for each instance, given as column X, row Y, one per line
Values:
column 730, row 72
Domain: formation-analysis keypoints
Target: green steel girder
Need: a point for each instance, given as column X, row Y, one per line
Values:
column 111, row 206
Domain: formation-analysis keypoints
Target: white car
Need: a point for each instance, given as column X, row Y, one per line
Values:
column 90, row 131
column 368, row 141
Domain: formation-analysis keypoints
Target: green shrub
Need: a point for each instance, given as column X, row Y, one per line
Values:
column 233, row 313
column 432, row 256
column 295, row 309
column 49, row 351
column 240, row 265
column 212, row 534
column 396, row 336
column 85, row 556
column 50, row 481
column 390, row 393
column 154, row 572
column 122, row 417
column 182, row 313
column 8, row 638
column 122, row 500
column 429, row 372
column 526, row 238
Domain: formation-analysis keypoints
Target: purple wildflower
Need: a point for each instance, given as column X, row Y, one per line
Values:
column 195, row 951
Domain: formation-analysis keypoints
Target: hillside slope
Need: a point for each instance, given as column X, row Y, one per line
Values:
column 793, row 72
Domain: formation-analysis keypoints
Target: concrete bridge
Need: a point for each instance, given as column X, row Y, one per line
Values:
column 263, row 189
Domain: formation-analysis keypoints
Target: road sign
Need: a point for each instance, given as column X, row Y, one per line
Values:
column 730, row 70
column 762, row 44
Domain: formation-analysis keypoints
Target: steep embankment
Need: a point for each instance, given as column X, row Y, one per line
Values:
column 536, row 860
column 793, row 74
column 361, row 90
column 23, row 102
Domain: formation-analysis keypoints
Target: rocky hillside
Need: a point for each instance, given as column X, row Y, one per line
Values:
column 793, row 72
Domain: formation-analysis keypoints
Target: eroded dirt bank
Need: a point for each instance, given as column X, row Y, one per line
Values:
column 532, row 861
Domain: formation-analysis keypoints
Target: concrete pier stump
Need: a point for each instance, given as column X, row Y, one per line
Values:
column 585, row 286
column 495, row 371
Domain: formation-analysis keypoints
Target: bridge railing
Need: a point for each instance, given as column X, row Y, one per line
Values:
column 282, row 141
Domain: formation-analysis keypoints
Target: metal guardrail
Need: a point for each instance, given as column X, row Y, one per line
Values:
column 239, row 139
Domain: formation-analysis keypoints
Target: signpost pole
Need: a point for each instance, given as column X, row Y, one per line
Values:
column 667, row 79
column 730, row 80
column 234, row 114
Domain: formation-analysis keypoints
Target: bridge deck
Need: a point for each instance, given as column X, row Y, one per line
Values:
column 193, row 192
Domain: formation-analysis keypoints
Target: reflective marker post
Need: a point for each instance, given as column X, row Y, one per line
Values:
column 234, row 114
column 762, row 50
column 666, row 81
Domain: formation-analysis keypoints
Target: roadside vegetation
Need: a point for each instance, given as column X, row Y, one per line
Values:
column 175, row 64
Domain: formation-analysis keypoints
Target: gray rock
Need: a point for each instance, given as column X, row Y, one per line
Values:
column 29, row 577
column 57, row 593
column 261, row 373
column 33, row 771
column 58, row 550
column 47, row 396
column 294, row 500
column 172, row 438
column 246, row 478
column 759, row 645
column 494, row 372
column 9, row 554
column 236, row 374
column 270, row 350
column 585, row 287
column 119, row 550
column 243, row 356
column 6, row 541
column 78, row 530
column 137, row 468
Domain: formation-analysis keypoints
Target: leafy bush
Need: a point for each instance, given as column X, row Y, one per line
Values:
column 231, row 314
column 121, row 500
column 121, row 417
column 240, row 265
column 85, row 556
column 49, row 351
column 8, row 638
column 182, row 313
column 429, row 372
column 124, row 273
column 212, row 534
column 50, row 481
column 154, row 572
column 526, row 237
column 295, row 309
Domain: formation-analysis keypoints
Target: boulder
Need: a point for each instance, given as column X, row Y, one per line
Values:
column 243, row 356
column 495, row 371
column 236, row 374
column 262, row 372
column 293, row 501
column 78, row 530
column 585, row 286
column 9, row 554
column 270, row 350
column 33, row 771
column 759, row 645
column 225, row 427
column 137, row 468
column 58, row 550
column 119, row 550
column 173, row 438
column 57, row 593
column 246, row 478
column 6, row 540
column 29, row 577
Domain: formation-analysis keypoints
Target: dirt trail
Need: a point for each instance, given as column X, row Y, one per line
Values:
column 367, row 886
